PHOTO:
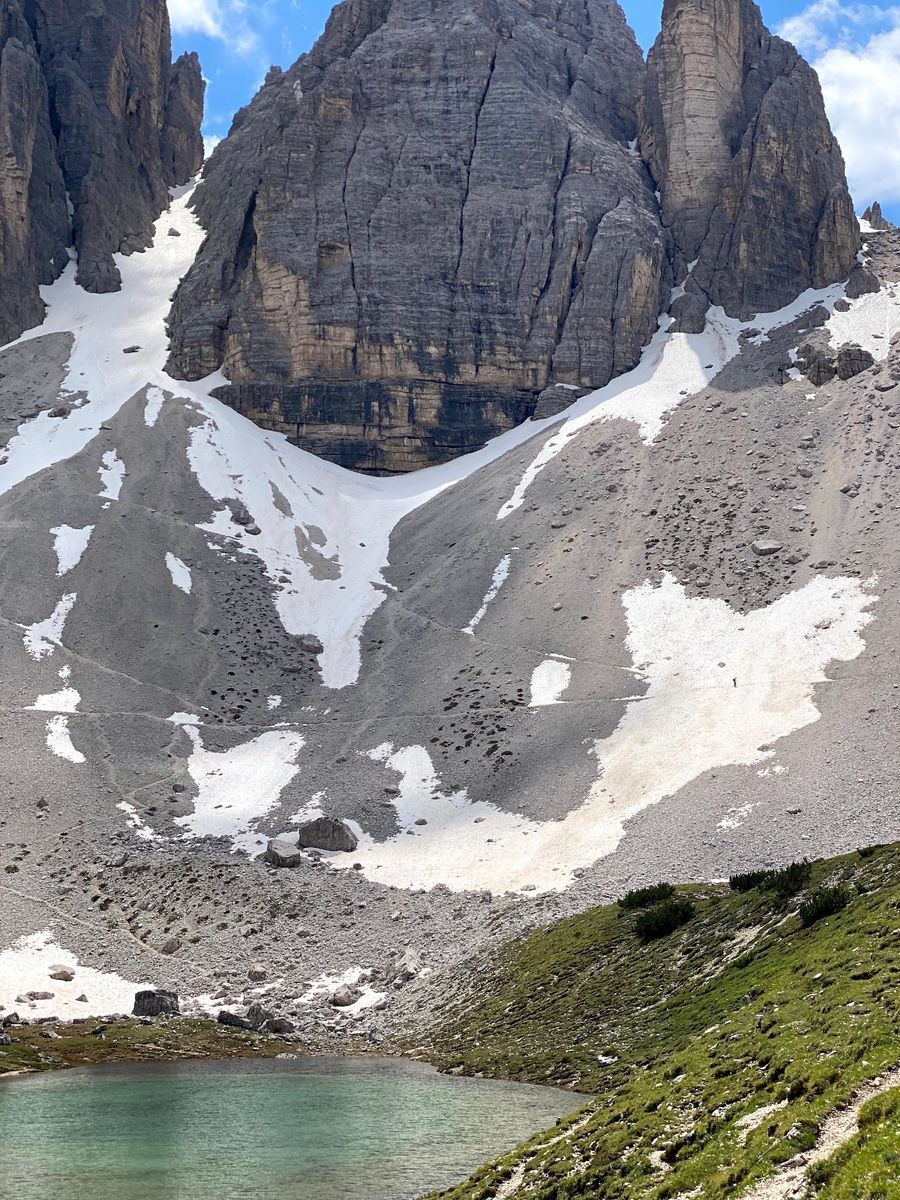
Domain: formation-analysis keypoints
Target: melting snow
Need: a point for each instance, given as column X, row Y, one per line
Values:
column 548, row 682
column 69, row 544
column 180, row 572
column 691, row 719
column 26, row 965
column 112, row 475
column 59, row 740
column 236, row 787
column 44, row 636
column 871, row 321
column 501, row 573
column 153, row 407
column 673, row 366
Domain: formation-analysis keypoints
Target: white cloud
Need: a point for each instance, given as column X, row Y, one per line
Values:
column 224, row 20
column 856, row 50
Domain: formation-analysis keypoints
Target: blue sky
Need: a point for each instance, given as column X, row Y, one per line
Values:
column 854, row 45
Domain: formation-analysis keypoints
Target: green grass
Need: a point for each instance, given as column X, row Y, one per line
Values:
column 741, row 1008
column 868, row 1166
column 129, row 1041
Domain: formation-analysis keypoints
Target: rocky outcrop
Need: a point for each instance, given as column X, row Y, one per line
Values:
column 876, row 218
column 91, row 108
column 751, row 180
column 428, row 219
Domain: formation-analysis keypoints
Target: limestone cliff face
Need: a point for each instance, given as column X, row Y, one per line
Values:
column 90, row 105
column 430, row 217
column 751, row 179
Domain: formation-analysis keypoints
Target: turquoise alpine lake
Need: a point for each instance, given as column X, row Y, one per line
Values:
column 298, row 1129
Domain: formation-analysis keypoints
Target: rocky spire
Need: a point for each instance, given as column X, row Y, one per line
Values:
column 428, row 219
column 876, row 217
column 90, row 108
column 752, row 183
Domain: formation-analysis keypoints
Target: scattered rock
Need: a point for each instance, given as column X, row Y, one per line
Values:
column 225, row 1017
column 62, row 973
column 765, row 547
column 257, row 973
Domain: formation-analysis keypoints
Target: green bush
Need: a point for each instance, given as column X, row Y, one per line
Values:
column 789, row 880
column 664, row 919
column 747, row 881
column 868, row 851
column 823, row 902
column 644, row 897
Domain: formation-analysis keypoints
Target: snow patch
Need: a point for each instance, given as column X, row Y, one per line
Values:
column 501, row 574
column 548, row 682
column 69, row 545
column 153, row 407
column 180, row 572
column 42, row 638
column 25, row 967
column 239, row 786
column 871, row 321
column 112, row 475
column 59, row 740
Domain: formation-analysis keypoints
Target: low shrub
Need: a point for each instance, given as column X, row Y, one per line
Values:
column 789, row 880
column 747, row 881
column 823, row 902
column 663, row 919
column 644, row 897
column 868, row 851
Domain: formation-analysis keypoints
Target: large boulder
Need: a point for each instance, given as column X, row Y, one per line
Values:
column 327, row 833
column 155, row 1002
column 852, row 360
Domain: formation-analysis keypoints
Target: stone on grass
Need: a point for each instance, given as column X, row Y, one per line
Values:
column 155, row 1002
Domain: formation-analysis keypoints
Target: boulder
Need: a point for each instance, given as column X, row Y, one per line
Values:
column 225, row 1017
column 766, row 547
column 344, row 996
column 62, row 973
column 327, row 833
column 257, row 973
column 862, row 282
column 853, row 360
column 282, row 852
column 155, row 1002
column 817, row 364
column 553, row 400
column 259, row 1016
column 282, row 1025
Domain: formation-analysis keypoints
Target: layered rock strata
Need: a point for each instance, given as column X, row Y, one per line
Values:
column 432, row 216
column 96, row 124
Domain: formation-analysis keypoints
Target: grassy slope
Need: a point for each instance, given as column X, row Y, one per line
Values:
column 741, row 1008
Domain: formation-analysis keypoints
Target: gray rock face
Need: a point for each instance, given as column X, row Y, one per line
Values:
column 428, row 219
column 876, row 217
column 751, row 180
column 154, row 1003
column 90, row 105
column 326, row 833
